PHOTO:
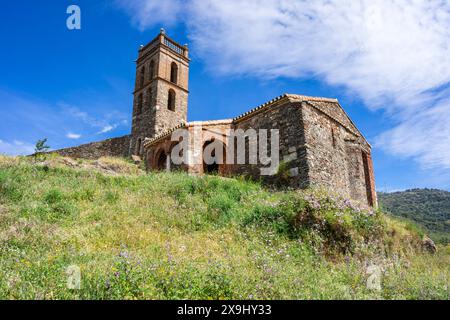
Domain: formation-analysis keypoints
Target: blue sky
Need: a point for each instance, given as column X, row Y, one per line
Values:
column 388, row 63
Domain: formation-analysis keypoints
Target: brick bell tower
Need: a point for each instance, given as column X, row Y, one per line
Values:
column 161, row 89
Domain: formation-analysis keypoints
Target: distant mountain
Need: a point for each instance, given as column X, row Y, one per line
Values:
column 429, row 208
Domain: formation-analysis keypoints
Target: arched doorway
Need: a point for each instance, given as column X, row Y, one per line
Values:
column 161, row 161
column 218, row 159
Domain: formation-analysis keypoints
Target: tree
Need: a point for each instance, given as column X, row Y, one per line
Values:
column 40, row 148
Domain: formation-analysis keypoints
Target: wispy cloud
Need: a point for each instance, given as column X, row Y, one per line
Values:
column 105, row 124
column 395, row 55
column 16, row 148
column 148, row 13
column 425, row 135
column 73, row 136
column 107, row 128
column 31, row 119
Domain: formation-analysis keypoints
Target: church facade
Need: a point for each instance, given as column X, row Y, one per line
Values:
column 292, row 140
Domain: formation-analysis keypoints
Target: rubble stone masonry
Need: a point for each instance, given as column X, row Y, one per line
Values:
column 116, row 147
column 319, row 144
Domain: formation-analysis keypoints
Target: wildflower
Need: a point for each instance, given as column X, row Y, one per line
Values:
column 347, row 203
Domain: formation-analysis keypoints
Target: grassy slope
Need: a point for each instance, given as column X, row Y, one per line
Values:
column 429, row 208
column 173, row 236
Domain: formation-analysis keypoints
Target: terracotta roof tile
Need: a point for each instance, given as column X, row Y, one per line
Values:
column 319, row 103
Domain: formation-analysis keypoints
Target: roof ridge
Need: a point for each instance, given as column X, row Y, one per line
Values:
column 289, row 96
column 311, row 98
column 261, row 106
column 267, row 104
column 206, row 122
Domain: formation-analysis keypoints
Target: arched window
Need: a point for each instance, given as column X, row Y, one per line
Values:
column 174, row 73
column 142, row 77
column 149, row 97
column 138, row 146
column 151, row 70
column 171, row 100
column 139, row 105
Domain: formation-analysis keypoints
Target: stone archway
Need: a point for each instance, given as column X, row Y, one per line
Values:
column 217, row 167
column 161, row 161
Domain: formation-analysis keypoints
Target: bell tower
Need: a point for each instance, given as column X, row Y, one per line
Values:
column 161, row 89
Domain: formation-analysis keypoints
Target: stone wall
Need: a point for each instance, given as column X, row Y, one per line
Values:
column 335, row 151
column 355, row 171
column 143, row 123
column 166, row 57
column 166, row 119
column 286, row 117
column 116, row 147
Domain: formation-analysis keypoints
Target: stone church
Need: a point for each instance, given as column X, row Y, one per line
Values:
column 319, row 145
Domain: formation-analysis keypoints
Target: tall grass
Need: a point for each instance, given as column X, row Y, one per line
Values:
column 176, row 236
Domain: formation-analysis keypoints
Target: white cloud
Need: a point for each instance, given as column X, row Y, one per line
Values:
column 73, row 136
column 107, row 129
column 16, row 148
column 425, row 135
column 148, row 13
column 111, row 122
column 29, row 119
column 395, row 55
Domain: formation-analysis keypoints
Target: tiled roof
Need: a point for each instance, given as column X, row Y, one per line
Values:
column 186, row 125
column 148, row 141
column 291, row 97
column 319, row 103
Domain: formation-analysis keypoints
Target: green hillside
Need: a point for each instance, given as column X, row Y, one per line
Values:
column 429, row 208
column 173, row 236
